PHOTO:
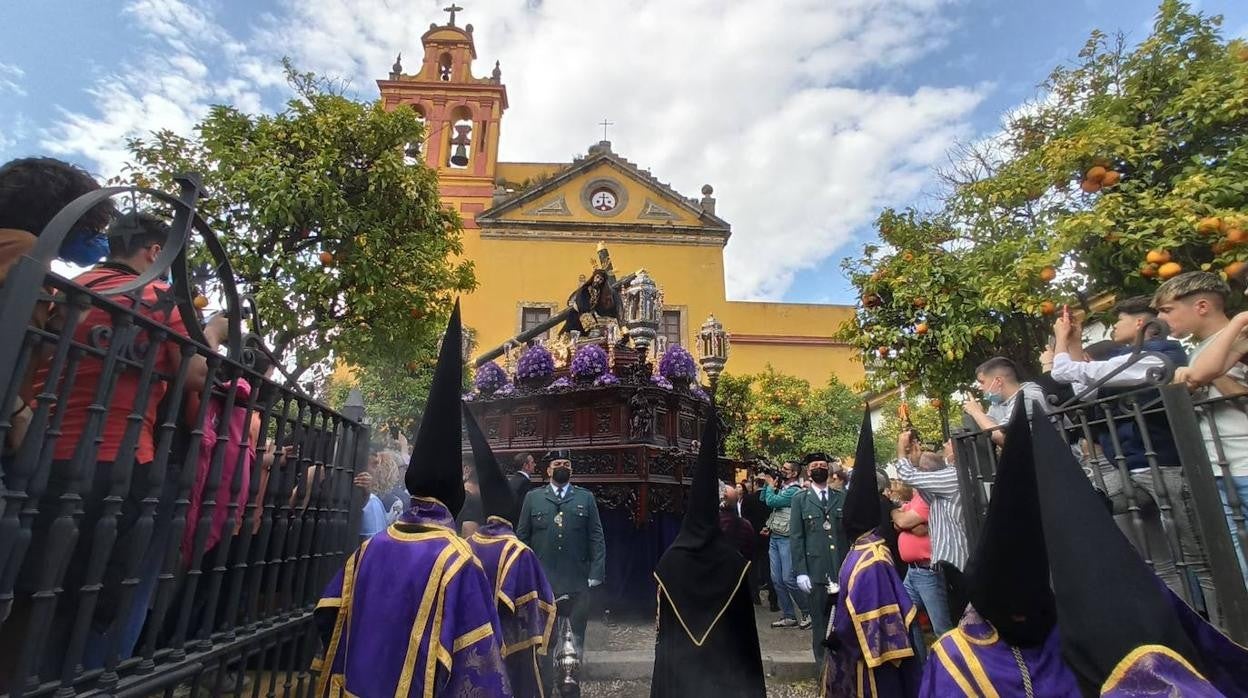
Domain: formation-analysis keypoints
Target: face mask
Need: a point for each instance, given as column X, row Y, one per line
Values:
column 562, row 474
column 994, row 398
column 819, row 476
column 84, row 247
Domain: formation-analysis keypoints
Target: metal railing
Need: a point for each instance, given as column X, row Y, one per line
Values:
column 1151, row 450
column 189, row 557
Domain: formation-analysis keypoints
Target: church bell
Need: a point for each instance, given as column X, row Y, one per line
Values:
column 460, row 158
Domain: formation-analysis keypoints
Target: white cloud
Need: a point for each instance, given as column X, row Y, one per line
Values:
column 769, row 102
column 11, row 77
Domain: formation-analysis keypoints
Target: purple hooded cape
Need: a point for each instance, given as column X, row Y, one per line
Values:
column 526, row 605
column 869, row 651
column 972, row 660
column 411, row 614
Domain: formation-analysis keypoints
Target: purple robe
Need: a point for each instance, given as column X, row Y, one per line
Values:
column 526, row 605
column 871, row 655
column 412, row 614
column 972, row 660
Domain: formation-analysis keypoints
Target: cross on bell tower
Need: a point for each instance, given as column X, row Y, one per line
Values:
column 452, row 10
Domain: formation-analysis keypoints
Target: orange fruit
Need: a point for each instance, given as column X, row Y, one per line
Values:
column 1096, row 174
column 1090, row 187
column 1209, row 226
column 417, row 312
column 1235, row 268
column 200, row 302
column 1047, row 274
column 883, row 352
column 413, row 366
column 1236, row 236
column 909, row 257
column 1157, row 257
column 1048, row 307
column 937, row 403
column 1169, row 270
column 876, row 276
column 327, row 258
column 920, row 328
column 1110, row 179
column 1148, row 270
column 919, row 302
column 871, row 300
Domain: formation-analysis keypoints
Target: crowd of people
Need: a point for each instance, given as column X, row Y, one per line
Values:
column 846, row 551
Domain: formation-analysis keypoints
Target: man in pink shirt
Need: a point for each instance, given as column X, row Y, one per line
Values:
column 923, row 581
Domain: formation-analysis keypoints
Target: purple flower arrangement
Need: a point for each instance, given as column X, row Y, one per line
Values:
column 470, row 396
column 535, row 363
column 661, row 382
column 505, row 391
column 490, row 377
column 561, row 383
column 589, row 362
column 699, row 393
column 677, row 364
column 606, row 379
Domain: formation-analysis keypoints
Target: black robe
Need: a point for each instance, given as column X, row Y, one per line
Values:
column 727, row 664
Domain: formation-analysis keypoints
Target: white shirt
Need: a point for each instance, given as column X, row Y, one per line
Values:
column 1228, row 417
column 1081, row 374
column 560, row 491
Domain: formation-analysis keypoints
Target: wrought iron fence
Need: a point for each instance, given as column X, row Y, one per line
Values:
column 1155, row 453
column 163, row 529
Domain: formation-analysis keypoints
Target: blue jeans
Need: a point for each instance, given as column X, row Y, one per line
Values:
column 784, row 579
column 1241, row 488
column 926, row 588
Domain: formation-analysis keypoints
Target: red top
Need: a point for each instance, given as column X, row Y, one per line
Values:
column 915, row 548
column 156, row 303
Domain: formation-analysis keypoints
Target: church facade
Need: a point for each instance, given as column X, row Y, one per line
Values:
column 532, row 228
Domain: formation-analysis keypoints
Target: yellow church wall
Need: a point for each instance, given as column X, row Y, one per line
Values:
column 519, row 172
column 794, row 338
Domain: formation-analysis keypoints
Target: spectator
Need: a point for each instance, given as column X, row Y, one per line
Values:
column 373, row 520
column 135, row 241
column 936, row 480
column 471, row 515
column 738, row 531
column 1129, row 445
column 755, row 511
column 837, row 479
column 388, row 472
column 999, row 381
column 923, row 581
column 521, row 481
column 1194, row 305
column 778, row 496
column 32, row 191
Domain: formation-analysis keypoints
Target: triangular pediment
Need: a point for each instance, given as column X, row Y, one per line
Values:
column 604, row 191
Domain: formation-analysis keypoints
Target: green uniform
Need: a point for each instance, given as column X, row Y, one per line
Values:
column 566, row 535
column 818, row 545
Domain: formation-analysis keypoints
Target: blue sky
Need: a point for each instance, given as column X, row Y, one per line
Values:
column 807, row 116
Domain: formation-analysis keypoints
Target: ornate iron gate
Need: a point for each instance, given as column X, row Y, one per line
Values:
column 115, row 577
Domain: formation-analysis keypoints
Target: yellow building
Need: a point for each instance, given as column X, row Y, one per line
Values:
column 532, row 228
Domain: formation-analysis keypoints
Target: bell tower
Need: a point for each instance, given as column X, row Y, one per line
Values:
column 462, row 113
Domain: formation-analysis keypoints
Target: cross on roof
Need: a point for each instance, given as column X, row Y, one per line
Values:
column 604, row 126
column 452, row 10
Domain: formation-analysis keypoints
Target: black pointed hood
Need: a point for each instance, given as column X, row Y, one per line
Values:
column 436, row 470
column 701, row 571
column 701, row 522
column 862, row 502
column 497, row 498
column 1007, row 578
column 1108, row 601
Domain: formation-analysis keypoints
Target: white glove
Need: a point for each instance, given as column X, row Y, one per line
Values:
column 594, row 582
column 803, row 583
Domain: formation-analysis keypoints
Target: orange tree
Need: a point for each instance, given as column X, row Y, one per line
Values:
column 779, row 416
column 344, row 244
column 1129, row 168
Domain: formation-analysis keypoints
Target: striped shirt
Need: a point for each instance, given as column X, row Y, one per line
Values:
column 939, row 489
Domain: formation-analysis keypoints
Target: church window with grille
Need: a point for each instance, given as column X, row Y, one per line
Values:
column 531, row 317
column 669, row 327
